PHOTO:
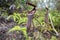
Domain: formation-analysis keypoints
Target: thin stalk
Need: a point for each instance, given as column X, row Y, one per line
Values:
column 52, row 24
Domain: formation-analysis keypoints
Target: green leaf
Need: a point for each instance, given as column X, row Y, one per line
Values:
column 24, row 30
column 18, row 28
column 15, row 28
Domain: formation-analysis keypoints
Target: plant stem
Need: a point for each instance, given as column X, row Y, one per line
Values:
column 52, row 24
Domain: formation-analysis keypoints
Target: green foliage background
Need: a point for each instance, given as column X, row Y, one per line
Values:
column 39, row 15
